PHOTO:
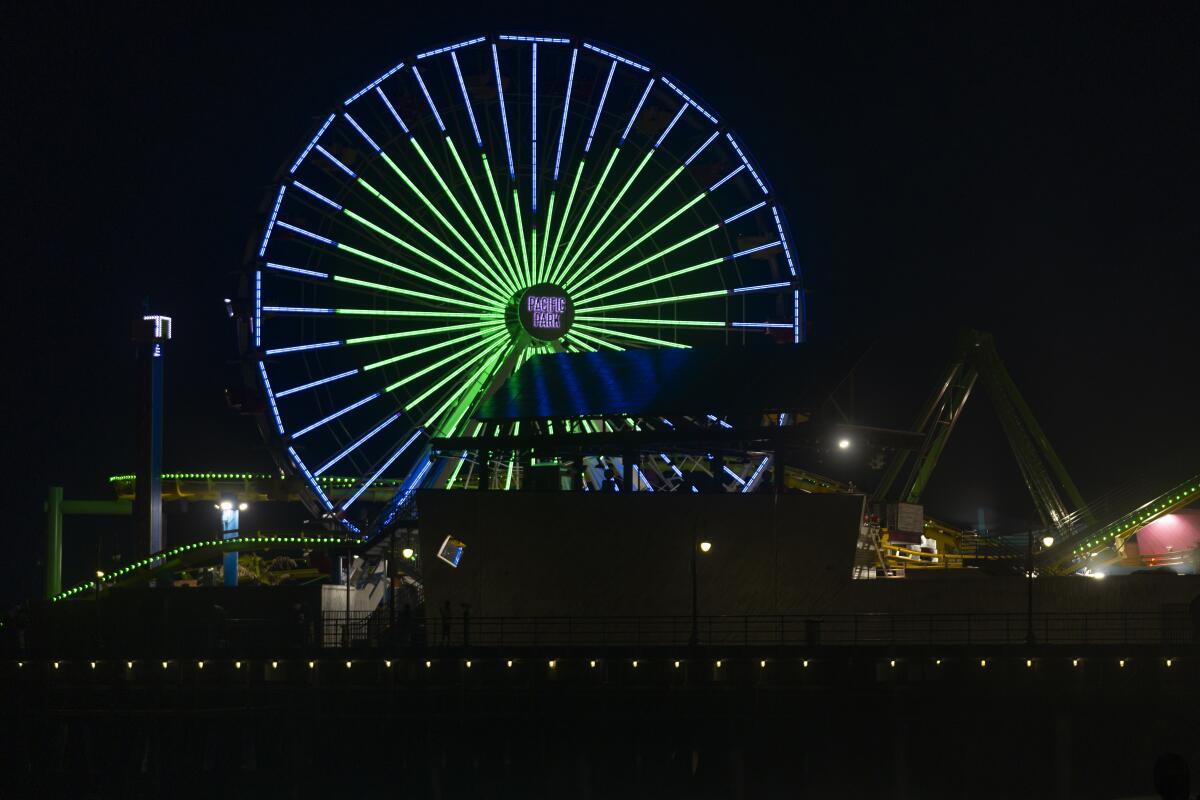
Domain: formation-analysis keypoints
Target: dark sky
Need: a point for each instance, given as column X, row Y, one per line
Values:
column 1033, row 173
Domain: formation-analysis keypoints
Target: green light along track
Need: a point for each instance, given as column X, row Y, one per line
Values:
column 418, row 216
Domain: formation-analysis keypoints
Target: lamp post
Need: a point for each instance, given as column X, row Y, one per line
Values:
column 702, row 547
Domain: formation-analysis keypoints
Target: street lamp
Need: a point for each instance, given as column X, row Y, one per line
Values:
column 1047, row 541
column 843, row 444
column 705, row 547
column 702, row 547
column 407, row 553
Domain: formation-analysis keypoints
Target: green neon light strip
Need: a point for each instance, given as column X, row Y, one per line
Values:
column 587, row 209
column 485, row 283
column 654, row 301
column 611, row 208
column 659, row 226
column 533, row 234
column 382, row 287
column 591, row 287
column 580, row 336
column 471, row 384
column 632, row 336
column 503, row 220
column 508, row 273
column 526, row 273
column 484, row 343
column 563, row 224
column 493, row 343
column 445, row 188
column 541, row 271
column 383, row 337
column 672, row 323
column 431, row 348
column 424, row 276
column 379, row 312
column 495, row 354
column 461, row 460
column 631, row 218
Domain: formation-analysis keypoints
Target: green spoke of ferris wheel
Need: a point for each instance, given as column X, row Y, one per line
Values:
column 435, row 211
column 383, row 287
column 526, row 274
column 492, row 264
column 384, row 337
column 582, row 339
column 473, row 289
column 664, row 222
column 655, row 301
column 503, row 220
column 562, row 225
column 479, row 281
column 533, row 260
column 561, row 256
column 540, row 273
column 508, row 273
column 612, row 206
column 591, row 287
column 485, row 343
column 628, row 220
column 491, row 328
column 469, row 390
column 387, row 312
column 655, row 322
column 585, row 304
column 462, row 459
column 492, row 345
column 631, row 336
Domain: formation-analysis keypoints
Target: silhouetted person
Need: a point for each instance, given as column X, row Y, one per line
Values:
column 446, row 612
column 609, row 484
column 1171, row 778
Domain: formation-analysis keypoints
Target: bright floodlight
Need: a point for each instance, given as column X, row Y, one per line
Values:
column 407, row 552
column 227, row 505
column 1047, row 541
column 843, row 444
column 1097, row 575
column 243, row 506
column 705, row 547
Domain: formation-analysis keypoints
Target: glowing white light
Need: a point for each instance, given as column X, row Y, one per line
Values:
column 843, row 444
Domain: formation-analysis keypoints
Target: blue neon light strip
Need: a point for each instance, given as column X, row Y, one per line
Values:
column 566, row 104
column 750, row 483
column 533, row 133
column 258, row 309
column 450, row 47
column 363, row 133
column 319, row 382
column 391, row 108
column 428, row 99
column 700, row 149
column 310, row 272
column 339, row 164
column 466, row 100
column 301, row 347
column 599, row 108
column 786, row 250
column 542, row 39
column 636, row 110
column 296, row 310
column 334, row 415
column 378, row 472
column 719, row 183
column 762, row 287
column 735, row 476
column 642, row 477
column 512, row 173
column 316, row 194
column 746, row 161
column 311, row 142
column 375, row 83
column 689, row 100
column 795, row 319
column 311, row 480
column 749, row 210
column 358, row 444
column 262, row 368
column 741, row 253
column 416, row 481
column 271, row 223
column 303, row 232
column 670, row 125
column 763, row 325
column 668, row 422
column 616, row 57
column 719, row 421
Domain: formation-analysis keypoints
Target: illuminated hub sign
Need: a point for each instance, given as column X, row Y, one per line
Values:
column 545, row 312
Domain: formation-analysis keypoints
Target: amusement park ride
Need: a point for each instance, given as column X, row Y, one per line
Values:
column 514, row 209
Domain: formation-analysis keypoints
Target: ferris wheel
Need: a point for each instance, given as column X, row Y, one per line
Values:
column 482, row 203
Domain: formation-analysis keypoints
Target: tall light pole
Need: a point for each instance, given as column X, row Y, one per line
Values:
column 702, row 547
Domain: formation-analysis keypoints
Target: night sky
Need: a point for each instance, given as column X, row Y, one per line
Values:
column 1033, row 174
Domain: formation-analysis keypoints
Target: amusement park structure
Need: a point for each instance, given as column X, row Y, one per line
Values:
column 537, row 263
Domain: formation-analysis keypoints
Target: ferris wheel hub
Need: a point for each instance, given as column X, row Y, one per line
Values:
column 545, row 312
